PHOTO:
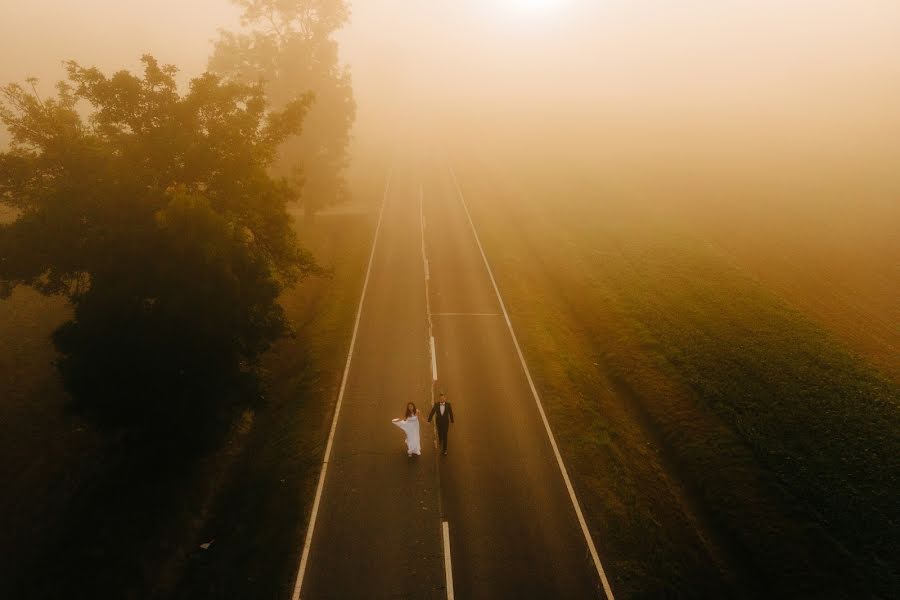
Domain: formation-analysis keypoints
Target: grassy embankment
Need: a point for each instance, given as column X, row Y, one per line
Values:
column 719, row 439
column 259, row 518
column 92, row 514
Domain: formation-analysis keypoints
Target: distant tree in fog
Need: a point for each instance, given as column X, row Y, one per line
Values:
column 156, row 217
column 289, row 45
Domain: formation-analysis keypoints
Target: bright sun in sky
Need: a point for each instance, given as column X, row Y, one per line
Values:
column 535, row 6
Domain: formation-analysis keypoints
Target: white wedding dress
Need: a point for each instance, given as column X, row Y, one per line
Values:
column 411, row 427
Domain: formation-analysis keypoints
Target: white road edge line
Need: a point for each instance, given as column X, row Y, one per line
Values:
column 337, row 407
column 537, row 399
column 448, row 566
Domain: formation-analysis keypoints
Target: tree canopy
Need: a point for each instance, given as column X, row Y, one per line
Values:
column 289, row 45
column 155, row 214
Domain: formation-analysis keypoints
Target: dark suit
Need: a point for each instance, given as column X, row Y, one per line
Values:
column 443, row 421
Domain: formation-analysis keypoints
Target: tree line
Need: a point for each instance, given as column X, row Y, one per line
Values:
column 162, row 215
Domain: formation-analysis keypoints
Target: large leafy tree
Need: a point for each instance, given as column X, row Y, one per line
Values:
column 156, row 216
column 289, row 44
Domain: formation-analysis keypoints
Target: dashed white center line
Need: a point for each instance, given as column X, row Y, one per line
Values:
column 433, row 361
column 445, row 527
column 448, row 567
column 434, row 375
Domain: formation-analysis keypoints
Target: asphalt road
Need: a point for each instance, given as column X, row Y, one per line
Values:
column 513, row 530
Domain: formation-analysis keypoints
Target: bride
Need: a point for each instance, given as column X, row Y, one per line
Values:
column 410, row 425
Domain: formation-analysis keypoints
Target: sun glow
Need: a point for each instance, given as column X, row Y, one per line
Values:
column 534, row 6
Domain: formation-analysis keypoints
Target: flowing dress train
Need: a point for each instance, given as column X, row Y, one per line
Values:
column 410, row 426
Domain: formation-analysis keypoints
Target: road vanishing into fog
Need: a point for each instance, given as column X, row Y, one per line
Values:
column 493, row 519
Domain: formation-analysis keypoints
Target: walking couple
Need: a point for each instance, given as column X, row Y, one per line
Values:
column 410, row 425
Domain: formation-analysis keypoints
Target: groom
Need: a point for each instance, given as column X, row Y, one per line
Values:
column 444, row 413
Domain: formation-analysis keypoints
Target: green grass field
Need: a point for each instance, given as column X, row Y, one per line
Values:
column 85, row 512
column 719, row 436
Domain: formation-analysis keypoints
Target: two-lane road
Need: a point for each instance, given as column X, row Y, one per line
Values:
column 376, row 530
column 514, row 530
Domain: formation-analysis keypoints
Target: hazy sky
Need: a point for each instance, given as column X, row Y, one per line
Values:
column 36, row 35
column 819, row 71
column 814, row 67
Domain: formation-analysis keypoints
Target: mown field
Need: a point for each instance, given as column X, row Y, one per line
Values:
column 724, row 441
column 88, row 513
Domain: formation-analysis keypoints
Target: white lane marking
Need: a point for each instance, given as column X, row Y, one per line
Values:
column 448, row 567
column 424, row 255
column 427, row 293
column 464, row 314
column 337, row 407
column 537, row 399
column 433, row 361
